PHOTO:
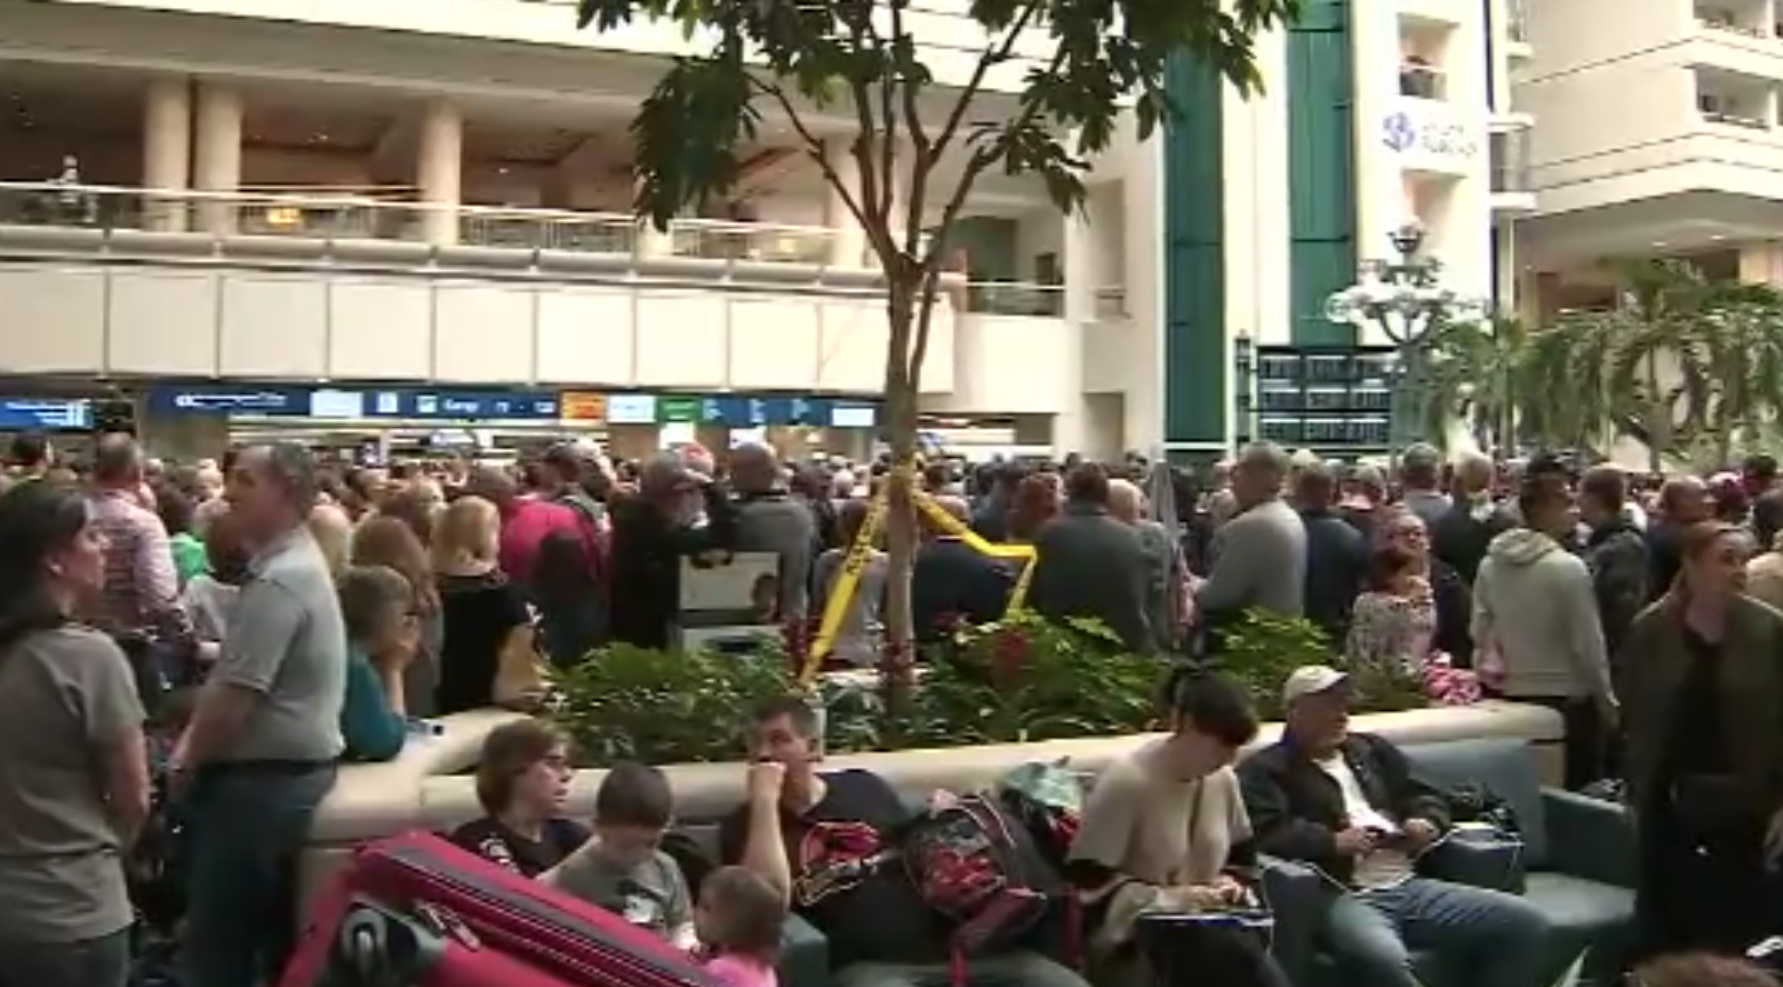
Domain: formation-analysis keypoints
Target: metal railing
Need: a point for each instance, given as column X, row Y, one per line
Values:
column 1015, row 298
column 1510, row 162
column 1737, row 117
column 1516, row 25
column 1421, row 82
column 333, row 217
column 1111, row 302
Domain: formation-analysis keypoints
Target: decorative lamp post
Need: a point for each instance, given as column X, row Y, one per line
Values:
column 1406, row 298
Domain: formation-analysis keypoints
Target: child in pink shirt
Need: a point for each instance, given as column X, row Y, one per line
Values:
column 739, row 919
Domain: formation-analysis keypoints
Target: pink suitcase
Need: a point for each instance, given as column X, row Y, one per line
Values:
column 417, row 911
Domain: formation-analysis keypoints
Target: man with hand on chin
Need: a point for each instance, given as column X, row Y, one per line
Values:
column 829, row 842
column 1347, row 804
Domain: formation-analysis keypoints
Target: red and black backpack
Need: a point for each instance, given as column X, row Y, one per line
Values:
column 979, row 866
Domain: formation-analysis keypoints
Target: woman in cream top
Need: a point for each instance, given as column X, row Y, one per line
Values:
column 1165, row 827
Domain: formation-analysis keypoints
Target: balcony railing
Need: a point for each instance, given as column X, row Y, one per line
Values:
column 1111, row 303
column 1517, row 20
column 1421, row 81
column 1745, row 117
column 1510, row 163
column 1726, row 21
column 1015, row 298
column 345, row 218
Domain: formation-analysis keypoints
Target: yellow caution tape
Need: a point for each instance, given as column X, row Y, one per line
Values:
column 835, row 611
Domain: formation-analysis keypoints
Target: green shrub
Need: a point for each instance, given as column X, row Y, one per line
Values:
column 624, row 703
column 1260, row 649
column 1024, row 679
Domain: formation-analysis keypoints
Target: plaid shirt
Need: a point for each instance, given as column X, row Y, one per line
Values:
column 141, row 592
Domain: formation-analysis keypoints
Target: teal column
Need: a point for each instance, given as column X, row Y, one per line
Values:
column 1197, row 406
column 1321, row 169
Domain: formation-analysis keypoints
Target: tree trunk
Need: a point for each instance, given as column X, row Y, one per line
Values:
column 898, row 665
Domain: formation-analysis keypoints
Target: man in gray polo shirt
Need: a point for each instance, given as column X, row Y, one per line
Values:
column 260, row 753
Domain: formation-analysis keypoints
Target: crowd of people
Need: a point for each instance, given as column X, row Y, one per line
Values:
column 244, row 625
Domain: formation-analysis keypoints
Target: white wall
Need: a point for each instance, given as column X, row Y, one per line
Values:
column 253, row 323
column 1258, row 207
column 938, row 25
column 1445, row 178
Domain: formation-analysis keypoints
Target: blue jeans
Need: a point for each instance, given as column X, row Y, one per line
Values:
column 245, row 826
column 1497, row 939
column 101, row 962
column 1014, row 969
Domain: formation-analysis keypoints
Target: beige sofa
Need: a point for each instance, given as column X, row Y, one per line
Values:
column 430, row 785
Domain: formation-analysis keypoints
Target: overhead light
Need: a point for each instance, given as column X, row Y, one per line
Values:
column 1658, row 243
column 1717, row 238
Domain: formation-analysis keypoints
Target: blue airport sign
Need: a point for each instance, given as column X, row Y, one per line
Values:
column 245, row 400
column 344, row 404
column 45, row 415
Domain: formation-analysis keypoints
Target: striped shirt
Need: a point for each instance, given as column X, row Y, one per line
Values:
column 141, row 591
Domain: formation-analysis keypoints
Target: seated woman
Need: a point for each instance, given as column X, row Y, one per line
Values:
column 523, row 781
column 383, row 637
column 1165, row 829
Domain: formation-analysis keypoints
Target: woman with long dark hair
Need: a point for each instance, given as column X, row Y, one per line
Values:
column 74, row 783
column 1702, row 706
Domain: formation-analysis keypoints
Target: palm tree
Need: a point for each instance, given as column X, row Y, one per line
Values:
column 1465, row 374
column 1683, row 362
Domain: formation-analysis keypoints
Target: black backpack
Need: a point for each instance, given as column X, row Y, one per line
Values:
column 980, row 868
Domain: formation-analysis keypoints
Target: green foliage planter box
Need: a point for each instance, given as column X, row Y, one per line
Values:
column 1023, row 679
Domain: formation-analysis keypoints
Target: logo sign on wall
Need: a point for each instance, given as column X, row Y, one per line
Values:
column 1429, row 139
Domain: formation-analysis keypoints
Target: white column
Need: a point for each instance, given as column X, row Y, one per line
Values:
column 217, row 167
column 167, row 152
column 439, row 171
column 848, row 242
column 1083, row 270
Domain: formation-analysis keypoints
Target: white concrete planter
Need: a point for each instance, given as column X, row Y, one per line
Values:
column 428, row 786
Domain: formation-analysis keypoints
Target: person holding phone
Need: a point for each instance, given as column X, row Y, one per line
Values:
column 1347, row 804
column 1165, row 833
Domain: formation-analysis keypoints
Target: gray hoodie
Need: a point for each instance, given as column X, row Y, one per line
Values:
column 1533, row 601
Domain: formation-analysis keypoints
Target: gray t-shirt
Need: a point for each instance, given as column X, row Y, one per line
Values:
column 287, row 642
column 66, row 697
column 653, row 895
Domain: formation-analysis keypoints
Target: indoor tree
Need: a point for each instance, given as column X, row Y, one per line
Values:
column 1683, row 361
column 800, row 61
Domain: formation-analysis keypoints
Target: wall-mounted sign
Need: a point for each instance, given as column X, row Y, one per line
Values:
column 45, row 415
column 246, row 400
column 631, row 409
column 343, row 404
column 853, row 416
column 582, row 406
column 1425, row 134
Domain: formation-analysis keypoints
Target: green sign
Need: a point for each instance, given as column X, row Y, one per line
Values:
column 677, row 409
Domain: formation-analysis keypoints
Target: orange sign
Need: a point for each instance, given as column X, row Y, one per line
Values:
column 582, row 406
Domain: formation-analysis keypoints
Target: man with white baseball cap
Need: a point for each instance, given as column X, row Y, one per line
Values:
column 1347, row 805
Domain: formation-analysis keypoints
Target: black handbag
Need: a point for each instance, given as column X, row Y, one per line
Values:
column 1227, row 948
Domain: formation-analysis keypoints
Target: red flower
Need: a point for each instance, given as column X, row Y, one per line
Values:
column 1009, row 658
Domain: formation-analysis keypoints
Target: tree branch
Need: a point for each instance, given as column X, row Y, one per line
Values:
column 888, row 86
column 981, row 160
column 990, row 58
column 814, row 146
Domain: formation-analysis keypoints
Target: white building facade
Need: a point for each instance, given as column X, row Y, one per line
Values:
column 1660, row 136
column 410, row 194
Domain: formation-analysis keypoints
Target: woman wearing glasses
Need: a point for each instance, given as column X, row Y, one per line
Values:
column 1702, row 702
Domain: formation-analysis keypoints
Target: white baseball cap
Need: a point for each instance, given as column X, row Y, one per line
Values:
column 1310, row 680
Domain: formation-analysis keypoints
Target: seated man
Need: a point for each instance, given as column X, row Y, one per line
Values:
column 1347, row 805
column 523, row 781
column 827, row 842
